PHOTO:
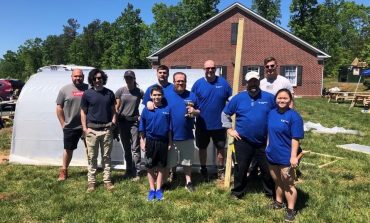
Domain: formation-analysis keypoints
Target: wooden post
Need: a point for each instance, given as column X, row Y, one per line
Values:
column 237, row 68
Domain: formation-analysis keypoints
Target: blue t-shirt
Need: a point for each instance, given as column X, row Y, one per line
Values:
column 156, row 124
column 211, row 98
column 182, row 127
column 98, row 105
column 282, row 128
column 251, row 115
column 166, row 90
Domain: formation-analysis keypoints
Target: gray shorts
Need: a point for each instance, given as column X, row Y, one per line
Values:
column 182, row 152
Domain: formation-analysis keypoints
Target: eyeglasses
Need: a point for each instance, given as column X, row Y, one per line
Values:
column 270, row 66
column 98, row 78
column 210, row 68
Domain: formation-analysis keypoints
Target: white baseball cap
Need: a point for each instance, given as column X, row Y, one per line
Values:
column 252, row 74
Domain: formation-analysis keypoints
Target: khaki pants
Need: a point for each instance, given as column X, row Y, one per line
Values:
column 94, row 140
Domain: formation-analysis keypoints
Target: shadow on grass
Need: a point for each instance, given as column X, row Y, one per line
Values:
column 302, row 200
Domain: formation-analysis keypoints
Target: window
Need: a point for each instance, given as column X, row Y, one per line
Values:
column 222, row 70
column 257, row 68
column 234, row 33
column 292, row 73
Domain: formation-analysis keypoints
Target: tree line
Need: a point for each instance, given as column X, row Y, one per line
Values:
column 338, row 27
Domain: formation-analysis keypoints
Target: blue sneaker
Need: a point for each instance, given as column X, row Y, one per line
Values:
column 151, row 195
column 159, row 195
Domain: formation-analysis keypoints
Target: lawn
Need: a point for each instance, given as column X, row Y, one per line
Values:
column 339, row 192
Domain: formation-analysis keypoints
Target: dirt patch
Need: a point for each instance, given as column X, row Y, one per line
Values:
column 4, row 158
column 4, row 196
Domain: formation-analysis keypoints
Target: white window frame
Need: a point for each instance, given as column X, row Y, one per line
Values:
column 291, row 73
column 253, row 68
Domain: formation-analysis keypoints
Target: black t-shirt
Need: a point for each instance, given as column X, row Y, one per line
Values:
column 98, row 105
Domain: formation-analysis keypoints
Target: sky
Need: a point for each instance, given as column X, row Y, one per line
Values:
column 21, row 20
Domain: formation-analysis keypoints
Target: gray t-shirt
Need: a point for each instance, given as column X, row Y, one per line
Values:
column 69, row 98
column 130, row 100
column 273, row 87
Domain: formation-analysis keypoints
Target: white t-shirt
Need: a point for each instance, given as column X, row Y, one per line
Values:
column 273, row 87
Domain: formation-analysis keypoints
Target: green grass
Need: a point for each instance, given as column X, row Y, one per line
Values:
column 339, row 192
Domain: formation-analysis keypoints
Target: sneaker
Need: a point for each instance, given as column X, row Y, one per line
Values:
column 63, row 175
column 109, row 186
column 90, row 188
column 204, row 173
column 159, row 195
column 189, row 187
column 276, row 205
column 290, row 215
column 151, row 195
column 136, row 178
column 221, row 174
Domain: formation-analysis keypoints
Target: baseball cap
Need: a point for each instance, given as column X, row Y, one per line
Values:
column 129, row 73
column 252, row 74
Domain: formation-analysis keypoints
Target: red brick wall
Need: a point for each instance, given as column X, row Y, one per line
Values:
column 259, row 41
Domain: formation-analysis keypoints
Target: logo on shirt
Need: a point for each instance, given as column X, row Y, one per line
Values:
column 165, row 113
column 285, row 121
column 262, row 102
column 219, row 86
column 77, row 93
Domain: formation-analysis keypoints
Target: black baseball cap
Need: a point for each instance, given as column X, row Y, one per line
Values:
column 129, row 73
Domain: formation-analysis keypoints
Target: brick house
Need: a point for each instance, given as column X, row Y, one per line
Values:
column 215, row 39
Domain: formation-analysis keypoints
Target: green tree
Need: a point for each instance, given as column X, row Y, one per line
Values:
column 269, row 9
column 173, row 21
column 10, row 65
column 53, row 51
column 129, row 45
column 30, row 54
column 302, row 19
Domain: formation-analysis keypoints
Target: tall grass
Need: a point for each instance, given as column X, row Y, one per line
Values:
column 339, row 192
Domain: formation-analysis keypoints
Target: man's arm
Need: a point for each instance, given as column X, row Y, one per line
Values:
column 83, row 121
column 60, row 115
column 114, row 117
column 227, row 123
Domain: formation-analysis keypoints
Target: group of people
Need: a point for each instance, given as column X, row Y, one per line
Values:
column 267, row 129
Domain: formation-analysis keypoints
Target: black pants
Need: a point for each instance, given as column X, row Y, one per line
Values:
column 244, row 153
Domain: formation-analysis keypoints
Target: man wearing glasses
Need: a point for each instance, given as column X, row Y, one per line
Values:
column 212, row 92
column 98, row 117
column 272, row 81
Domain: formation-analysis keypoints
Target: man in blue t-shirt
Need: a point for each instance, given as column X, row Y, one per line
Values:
column 162, row 76
column 183, row 104
column 212, row 92
column 98, row 117
column 251, row 108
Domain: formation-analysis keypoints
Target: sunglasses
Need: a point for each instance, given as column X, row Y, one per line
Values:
column 210, row 68
column 270, row 66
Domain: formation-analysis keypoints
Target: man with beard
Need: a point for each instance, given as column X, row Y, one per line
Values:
column 68, row 113
column 250, row 134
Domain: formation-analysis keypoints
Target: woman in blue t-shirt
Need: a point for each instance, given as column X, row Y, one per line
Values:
column 285, row 129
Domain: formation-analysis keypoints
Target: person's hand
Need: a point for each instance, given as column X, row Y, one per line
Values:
column 87, row 131
column 170, row 144
column 150, row 105
column 142, row 144
column 233, row 133
column 293, row 162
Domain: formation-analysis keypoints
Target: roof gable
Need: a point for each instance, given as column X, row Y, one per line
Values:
column 320, row 54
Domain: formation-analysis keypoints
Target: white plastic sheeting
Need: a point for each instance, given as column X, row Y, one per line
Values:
column 37, row 136
column 318, row 128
